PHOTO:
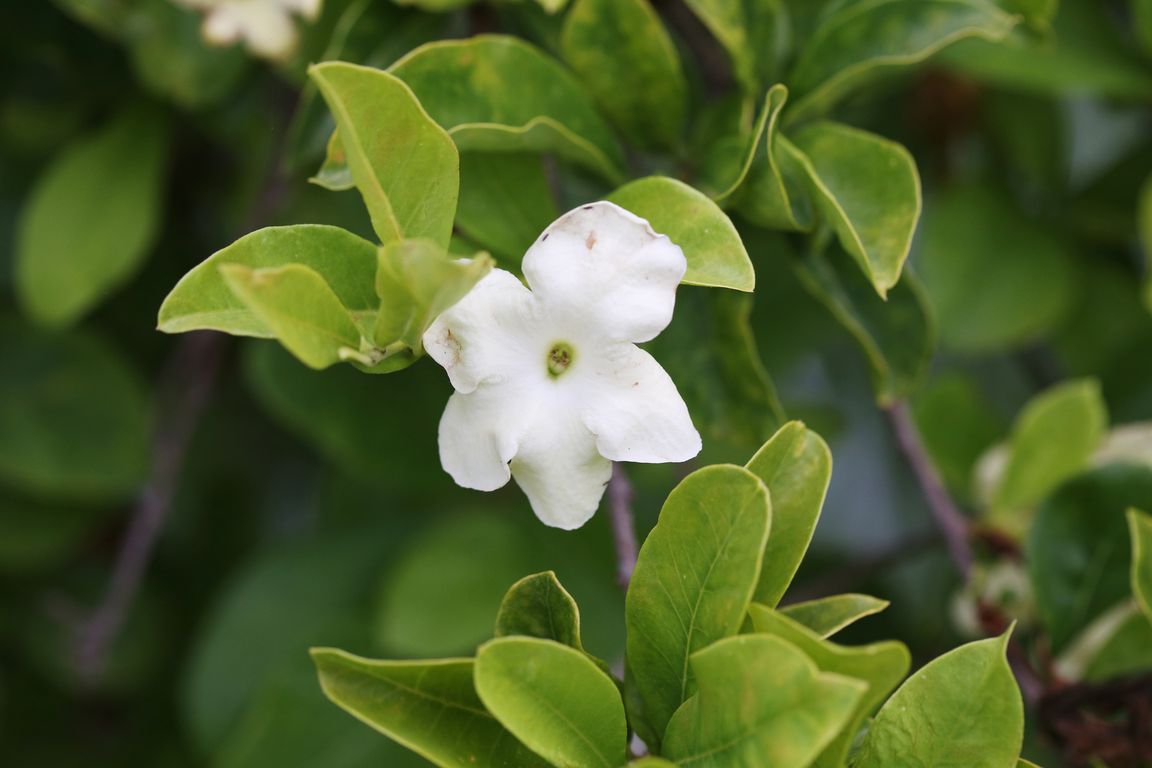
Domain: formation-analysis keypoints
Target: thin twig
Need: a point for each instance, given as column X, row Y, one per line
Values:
column 620, row 497
column 950, row 520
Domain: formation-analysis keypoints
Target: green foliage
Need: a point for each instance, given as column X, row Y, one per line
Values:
column 505, row 202
column 1140, row 531
column 539, row 606
column 828, row 615
column 756, row 38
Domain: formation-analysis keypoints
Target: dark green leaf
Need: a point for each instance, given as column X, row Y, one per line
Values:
column 957, row 424
column 505, row 203
column 756, row 36
column 539, row 606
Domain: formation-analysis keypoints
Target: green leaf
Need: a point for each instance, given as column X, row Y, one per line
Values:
column 1052, row 439
column 868, row 190
column 623, row 56
column 498, row 93
column 1079, row 556
column 880, row 667
column 796, row 466
column 974, row 289
column 761, row 702
column 693, row 581
column 539, row 606
column 1140, row 531
column 300, row 309
column 203, row 300
column 334, row 174
column 1144, row 219
column 505, row 203
column 860, row 40
column 405, row 165
column 755, row 35
column 1142, row 15
column 957, row 424
column 897, row 336
column 651, row 762
column 431, row 707
column 76, row 243
column 828, row 615
column 1127, row 650
column 963, row 709
column 74, row 417
column 716, row 255
column 416, row 281
column 555, row 700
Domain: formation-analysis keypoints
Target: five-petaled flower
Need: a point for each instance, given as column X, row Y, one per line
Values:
column 550, row 385
column 264, row 25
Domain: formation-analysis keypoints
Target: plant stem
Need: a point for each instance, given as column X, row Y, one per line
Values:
column 950, row 520
column 620, row 495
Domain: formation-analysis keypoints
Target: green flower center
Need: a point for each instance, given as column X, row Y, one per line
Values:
column 559, row 358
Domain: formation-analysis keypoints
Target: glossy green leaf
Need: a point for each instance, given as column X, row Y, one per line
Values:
column 860, row 40
column 416, row 281
column 880, row 666
column 826, row 616
column 868, row 190
column 978, row 253
column 1079, row 555
column 554, row 699
column 203, row 300
column 623, row 56
column 756, row 36
column 431, row 707
column 773, row 191
column 761, row 702
column 76, row 243
column 498, row 93
column 716, row 255
column 962, row 709
column 796, row 466
column 694, row 578
column 405, row 165
column 539, row 606
column 897, row 336
column 74, row 417
column 505, row 203
column 1140, row 532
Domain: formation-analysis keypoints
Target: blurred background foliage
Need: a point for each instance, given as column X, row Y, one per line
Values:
column 309, row 508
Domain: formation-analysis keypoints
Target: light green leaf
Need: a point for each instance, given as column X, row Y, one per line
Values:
column 693, row 581
column 77, row 242
column 555, row 700
column 539, row 606
column 975, row 287
column 498, row 93
column 962, row 710
column 623, row 56
column 880, row 667
column 416, row 281
column 1140, row 532
column 405, row 165
column 762, row 702
column 1078, row 553
column 74, row 417
column 868, row 190
column 796, row 466
column 505, row 203
column 716, row 255
column 756, row 35
column 334, row 175
column 862, row 39
column 897, row 336
column 828, row 615
column 431, row 707
column 651, row 762
column 202, row 300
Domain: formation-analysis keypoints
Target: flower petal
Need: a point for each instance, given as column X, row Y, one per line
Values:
column 480, row 433
column 559, row 469
column 490, row 335
column 601, row 266
column 635, row 410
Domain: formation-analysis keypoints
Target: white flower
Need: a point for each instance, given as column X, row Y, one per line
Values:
column 264, row 25
column 550, row 385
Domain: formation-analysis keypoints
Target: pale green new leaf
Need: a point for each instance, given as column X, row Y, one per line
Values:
column 498, row 93
column 625, row 59
column 505, row 203
column 1140, row 531
column 555, row 700
column 880, row 666
column 862, row 39
column 91, row 218
column 762, row 702
column 405, row 165
column 715, row 253
column 431, row 707
column 693, row 581
column 796, row 466
column 828, row 615
column 962, row 710
column 868, row 190
column 539, row 606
